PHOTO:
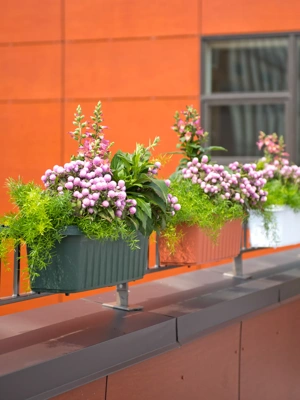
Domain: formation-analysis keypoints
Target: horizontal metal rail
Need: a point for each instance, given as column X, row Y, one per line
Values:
column 17, row 296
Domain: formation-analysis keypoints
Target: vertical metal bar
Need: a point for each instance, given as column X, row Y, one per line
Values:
column 157, row 255
column 245, row 227
column 291, row 104
column 237, row 269
column 17, row 272
column 122, row 297
column 237, row 266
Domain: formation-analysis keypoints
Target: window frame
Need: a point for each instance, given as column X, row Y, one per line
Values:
column 288, row 98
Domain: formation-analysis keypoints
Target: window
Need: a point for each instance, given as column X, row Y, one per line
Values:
column 249, row 85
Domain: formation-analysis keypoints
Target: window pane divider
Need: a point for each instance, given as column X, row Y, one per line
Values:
column 246, row 98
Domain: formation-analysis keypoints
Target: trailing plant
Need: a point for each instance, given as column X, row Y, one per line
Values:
column 210, row 194
column 106, row 199
column 199, row 208
column 283, row 179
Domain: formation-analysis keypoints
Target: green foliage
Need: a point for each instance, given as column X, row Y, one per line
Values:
column 41, row 219
column 197, row 208
column 150, row 193
column 283, row 193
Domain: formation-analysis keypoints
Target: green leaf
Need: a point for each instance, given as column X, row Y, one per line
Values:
column 155, row 199
column 145, row 207
column 142, row 217
column 160, row 188
column 175, row 152
column 215, row 148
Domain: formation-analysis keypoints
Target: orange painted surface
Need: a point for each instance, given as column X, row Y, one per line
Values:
column 132, row 69
column 30, row 20
column 32, row 135
column 96, row 19
column 249, row 16
column 131, row 122
column 30, row 72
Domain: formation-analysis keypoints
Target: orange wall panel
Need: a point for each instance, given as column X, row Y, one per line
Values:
column 205, row 369
column 168, row 67
column 130, row 18
column 32, row 135
column 30, row 20
column 130, row 122
column 249, row 16
column 270, row 358
column 95, row 390
column 30, row 72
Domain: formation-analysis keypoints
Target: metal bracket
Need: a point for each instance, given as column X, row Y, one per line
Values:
column 121, row 302
column 237, row 269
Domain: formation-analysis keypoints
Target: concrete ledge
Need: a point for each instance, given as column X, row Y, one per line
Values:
column 51, row 350
column 64, row 362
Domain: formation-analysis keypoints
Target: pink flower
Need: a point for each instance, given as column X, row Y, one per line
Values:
column 85, row 192
column 95, row 196
column 204, row 159
column 107, row 178
column 69, row 185
column 188, row 136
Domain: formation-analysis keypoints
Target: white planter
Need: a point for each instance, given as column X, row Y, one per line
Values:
column 284, row 229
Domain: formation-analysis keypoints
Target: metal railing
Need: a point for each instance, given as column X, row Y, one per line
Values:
column 122, row 289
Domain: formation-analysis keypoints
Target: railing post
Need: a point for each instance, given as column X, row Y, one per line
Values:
column 122, row 297
column 17, row 272
column 237, row 267
column 157, row 255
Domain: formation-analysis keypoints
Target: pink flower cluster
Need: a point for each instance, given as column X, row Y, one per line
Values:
column 173, row 202
column 282, row 169
column 89, row 135
column 154, row 170
column 191, row 126
column 273, row 146
column 92, row 187
column 241, row 183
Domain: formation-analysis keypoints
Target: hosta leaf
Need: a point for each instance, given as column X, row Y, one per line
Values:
column 145, row 207
column 155, row 199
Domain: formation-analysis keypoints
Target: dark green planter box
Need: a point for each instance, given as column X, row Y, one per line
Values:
column 81, row 264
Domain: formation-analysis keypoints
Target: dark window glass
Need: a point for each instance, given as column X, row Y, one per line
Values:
column 236, row 127
column 298, row 105
column 253, row 65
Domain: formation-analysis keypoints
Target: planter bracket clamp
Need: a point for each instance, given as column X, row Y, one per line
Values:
column 121, row 302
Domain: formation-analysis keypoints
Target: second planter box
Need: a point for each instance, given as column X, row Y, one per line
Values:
column 196, row 247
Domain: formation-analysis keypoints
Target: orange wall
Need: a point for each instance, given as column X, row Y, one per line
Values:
column 140, row 57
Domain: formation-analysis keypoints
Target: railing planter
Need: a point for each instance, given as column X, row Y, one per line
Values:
column 196, row 247
column 81, row 264
column 284, row 229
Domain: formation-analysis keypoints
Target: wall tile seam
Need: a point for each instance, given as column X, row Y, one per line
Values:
column 97, row 40
column 91, row 99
